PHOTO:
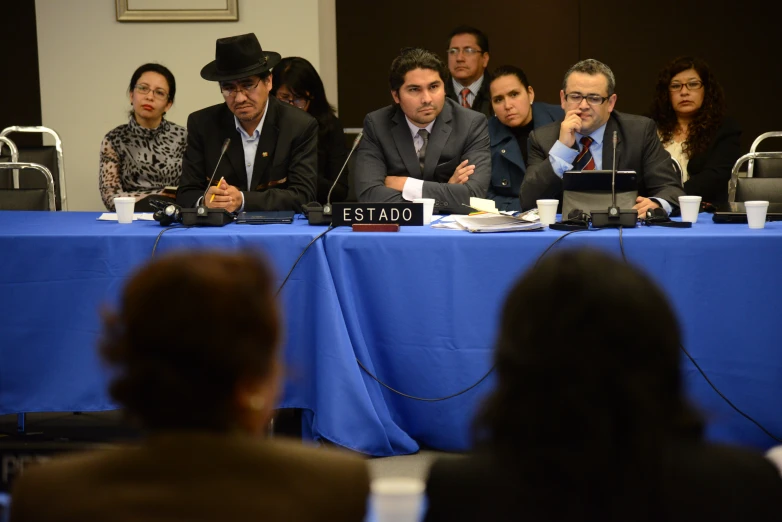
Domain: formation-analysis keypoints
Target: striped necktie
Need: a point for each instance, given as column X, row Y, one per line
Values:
column 584, row 160
column 465, row 92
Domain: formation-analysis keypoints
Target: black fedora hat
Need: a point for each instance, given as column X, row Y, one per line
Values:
column 239, row 57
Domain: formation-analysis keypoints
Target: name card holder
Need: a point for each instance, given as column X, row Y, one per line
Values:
column 349, row 214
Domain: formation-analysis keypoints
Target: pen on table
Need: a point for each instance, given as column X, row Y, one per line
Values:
column 218, row 184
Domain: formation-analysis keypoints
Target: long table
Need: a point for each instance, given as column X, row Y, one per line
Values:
column 418, row 309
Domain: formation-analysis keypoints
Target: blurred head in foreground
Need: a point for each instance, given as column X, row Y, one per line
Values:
column 194, row 344
column 589, row 389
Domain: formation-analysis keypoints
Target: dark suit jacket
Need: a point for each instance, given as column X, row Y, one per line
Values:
column 638, row 148
column 387, row 150
column 482, row 101
column 507, row 162
column 283, row 179
column 332, row 153
column 195, row 476
column 709, row 171
column 702, row 482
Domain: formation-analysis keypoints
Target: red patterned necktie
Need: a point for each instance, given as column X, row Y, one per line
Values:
column 465, row 92
column 584, row 160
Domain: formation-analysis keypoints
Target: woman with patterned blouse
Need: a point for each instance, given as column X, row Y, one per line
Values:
column 144, row 156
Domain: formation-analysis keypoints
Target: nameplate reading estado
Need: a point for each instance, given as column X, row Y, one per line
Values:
column 348, row 214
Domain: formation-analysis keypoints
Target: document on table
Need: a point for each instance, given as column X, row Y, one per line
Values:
column 137, row 216
column 496, row 223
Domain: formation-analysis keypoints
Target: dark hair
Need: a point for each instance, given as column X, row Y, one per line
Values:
column 175, row 366
column 480, row 36
column 592, row 67
column 589, row 390
column 415, row 58
column 510, row 70
column 301, row 78
column 161, row 70
column 708, row 119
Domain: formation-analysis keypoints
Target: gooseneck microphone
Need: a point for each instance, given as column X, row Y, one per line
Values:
column 327, row 206
column 318, row 214
column 613, row 210
column 614, row 216
column 202, row 215
column 222, row 153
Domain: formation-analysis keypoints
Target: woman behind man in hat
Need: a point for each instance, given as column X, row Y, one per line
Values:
column 271, row 161
column 204, row 399
column 144, row 156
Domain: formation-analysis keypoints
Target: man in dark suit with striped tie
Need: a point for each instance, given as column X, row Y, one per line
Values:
column 582, row 141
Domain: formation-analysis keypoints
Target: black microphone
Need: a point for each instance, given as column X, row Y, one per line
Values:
column 222, row 152
column 327, row 206
column 318, row 214
column 202, row 215
column 614, row 216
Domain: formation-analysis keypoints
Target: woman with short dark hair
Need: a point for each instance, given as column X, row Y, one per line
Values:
column 144, row 156
column 295, row 81
column 194, row 354
column 588, row 420
column 689, row 109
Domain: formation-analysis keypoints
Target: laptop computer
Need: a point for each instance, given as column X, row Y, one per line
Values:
column 737, row 213
column 589, row 190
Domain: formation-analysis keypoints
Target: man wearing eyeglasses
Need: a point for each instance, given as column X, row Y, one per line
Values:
column 468, row 57
column 583, row 141
column 271, row 163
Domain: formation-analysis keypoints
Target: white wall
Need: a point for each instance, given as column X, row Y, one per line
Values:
column 86, row 59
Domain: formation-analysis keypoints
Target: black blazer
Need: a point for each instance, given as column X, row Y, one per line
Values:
column 702, row 482
column 638, row 148
column 709, row 171
column 284, row 175
column 332, row 153
column 482, row 101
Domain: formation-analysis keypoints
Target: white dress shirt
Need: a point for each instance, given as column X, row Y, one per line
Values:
column 414, row 187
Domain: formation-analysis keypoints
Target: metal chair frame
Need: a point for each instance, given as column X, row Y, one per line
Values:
column 58, row 147
column 734, row 175
column 753, row 149
column 43, row 170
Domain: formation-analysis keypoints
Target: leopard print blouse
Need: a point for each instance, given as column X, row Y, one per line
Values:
column 135, row 161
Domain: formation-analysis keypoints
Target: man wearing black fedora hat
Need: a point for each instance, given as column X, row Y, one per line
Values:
column 271, row 162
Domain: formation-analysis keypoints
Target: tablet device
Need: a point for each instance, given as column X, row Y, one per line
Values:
column 265, row 217
column 737, row 213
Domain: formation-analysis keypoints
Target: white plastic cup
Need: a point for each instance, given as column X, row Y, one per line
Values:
column 547, row 211
column 428, row 208
column 756, row 213
column 690, row 207
column 125, row 205
column 397, row 499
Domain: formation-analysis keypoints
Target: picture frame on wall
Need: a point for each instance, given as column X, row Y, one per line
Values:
column 177, row 10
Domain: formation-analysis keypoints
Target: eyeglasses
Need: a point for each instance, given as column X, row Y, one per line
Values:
column 692, row 85
column 297, row 102
column 468, row 51
column 592, row 99
column 231, row 90
column 144, row 89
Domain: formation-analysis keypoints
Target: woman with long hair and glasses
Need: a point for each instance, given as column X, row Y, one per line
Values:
column 689, row 108
column 144, row 156
column 588, row 420
column 295, row 81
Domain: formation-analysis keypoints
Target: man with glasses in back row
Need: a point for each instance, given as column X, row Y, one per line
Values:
column 468, row 57
column 271, row 163
column 583, row 141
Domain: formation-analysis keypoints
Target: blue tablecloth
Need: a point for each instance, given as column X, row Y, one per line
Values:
column 418, row 308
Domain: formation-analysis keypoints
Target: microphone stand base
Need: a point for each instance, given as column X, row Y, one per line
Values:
column 206, row 217
column 316, row 217
column 626, row 218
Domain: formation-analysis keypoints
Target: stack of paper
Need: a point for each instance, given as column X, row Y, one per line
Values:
column 497, row 223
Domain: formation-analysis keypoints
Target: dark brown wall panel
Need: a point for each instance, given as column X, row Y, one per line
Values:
column 20, row 89
column 741, row 43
